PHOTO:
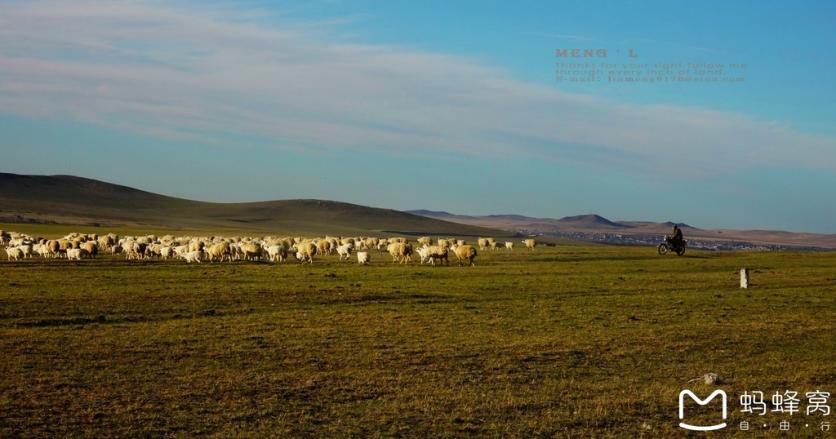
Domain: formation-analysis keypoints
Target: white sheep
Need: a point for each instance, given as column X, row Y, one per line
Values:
column 193, row 256
column 76, row 254
column 483, row 243
column 277, row 253
column 305, row 251
column 344, row 251
column 14, row 253
column 26, row 249
column 363, row 258
column 423, row 253
column 434, row 253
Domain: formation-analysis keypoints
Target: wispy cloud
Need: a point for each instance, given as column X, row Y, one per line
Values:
column 206, row 73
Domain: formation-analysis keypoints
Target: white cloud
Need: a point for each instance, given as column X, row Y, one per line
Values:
column 201, row 74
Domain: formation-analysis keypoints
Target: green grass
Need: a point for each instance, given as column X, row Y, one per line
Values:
column 576, row 341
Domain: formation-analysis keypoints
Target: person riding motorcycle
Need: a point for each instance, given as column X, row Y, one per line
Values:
column 676, row 238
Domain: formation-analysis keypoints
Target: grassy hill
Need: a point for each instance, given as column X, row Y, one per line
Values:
column 80, row 201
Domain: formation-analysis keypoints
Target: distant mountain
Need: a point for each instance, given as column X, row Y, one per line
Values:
column 443, row 214
column 511, row 217
column 592, row 226
column 590, row 220
column 430, row 213
column 511, row 221
column 68, row 199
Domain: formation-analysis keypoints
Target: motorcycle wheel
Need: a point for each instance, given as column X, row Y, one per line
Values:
column 663, row 249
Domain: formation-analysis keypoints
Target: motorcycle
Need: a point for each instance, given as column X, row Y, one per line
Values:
column 670, row 245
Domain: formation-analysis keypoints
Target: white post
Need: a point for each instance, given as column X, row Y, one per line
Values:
column 744, row 278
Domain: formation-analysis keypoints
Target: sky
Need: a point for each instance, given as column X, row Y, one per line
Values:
column 455, row 106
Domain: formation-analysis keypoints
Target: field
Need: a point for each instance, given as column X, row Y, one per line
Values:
column 574, row 340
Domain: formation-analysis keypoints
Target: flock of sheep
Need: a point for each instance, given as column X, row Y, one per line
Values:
column 193, row 249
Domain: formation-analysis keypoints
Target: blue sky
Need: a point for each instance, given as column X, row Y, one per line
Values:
column 440, row 105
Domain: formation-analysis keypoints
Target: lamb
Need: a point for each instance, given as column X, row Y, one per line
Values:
column 530, row 243
column 509, row 245
column 344, row 251
column 483, row 243
column 363, row 258
column 465, row 253
column 193, row 256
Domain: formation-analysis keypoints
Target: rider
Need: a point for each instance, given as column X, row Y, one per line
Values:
column 676, row 237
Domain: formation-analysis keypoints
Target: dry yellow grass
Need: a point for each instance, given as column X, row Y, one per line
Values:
column 575, row 341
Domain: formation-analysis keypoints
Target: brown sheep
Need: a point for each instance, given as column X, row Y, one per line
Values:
column 465, row 253
column 400, row 252
column 91, row 247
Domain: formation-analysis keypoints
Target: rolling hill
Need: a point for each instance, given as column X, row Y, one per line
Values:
column 64, row 199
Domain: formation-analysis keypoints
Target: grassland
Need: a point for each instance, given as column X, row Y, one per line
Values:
column 575, row 341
